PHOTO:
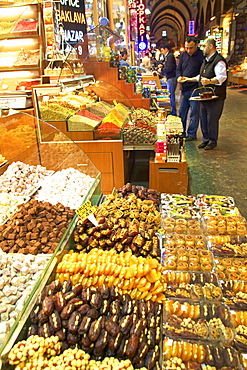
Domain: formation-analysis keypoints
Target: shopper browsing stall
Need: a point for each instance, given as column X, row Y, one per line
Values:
column 168, row 69
column 123, row 59
column 189, row 66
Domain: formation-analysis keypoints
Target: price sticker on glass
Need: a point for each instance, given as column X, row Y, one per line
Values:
column 86, row 211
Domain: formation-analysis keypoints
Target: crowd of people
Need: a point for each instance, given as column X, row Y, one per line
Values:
column 193, row 69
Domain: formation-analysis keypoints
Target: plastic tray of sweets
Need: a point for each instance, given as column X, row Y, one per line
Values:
column 180, row 225
column 191, row 355
column 171, row 242
column 191, row 285
column 231, row 268
column 228, row 246
column 187, row 260
column 235, row 294
column 185, row 319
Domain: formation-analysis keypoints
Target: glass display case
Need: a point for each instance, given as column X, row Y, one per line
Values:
column 29, row 141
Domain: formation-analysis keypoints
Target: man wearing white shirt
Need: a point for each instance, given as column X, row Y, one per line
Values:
column 213, row 73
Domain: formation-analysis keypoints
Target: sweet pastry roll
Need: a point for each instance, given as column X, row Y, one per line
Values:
column 199, row 238
column 222, row 276
column 222, row 230
column 194, row 259
column 189, row 238
column 220, row 268
column 170, row 264
column 205, row 253
column 226, row 262
column 212, row 222
column 193, row 253
column 237, row 263
column 194, row 266
column 170, row 243
column 241, row 230
column 183, row 247
column 242, row 276
column 212, row 230
column 182, row 266
column 196, row 230
column 231, row 269
column 182, row 258
column 205, row 260
column 179, row 242
column 169, row 228
column 172, row 252
column 180, row 229
column 181, row 221
column 206, row 267
column 231, row 230
column 233, row 276
column 169, row 220
column 232, row 219
column 200, row 244
column 190, row 244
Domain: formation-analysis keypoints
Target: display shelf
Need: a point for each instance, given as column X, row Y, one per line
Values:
column 138, row 147
column 21, row 44
column 6, row 69
column 2, row 37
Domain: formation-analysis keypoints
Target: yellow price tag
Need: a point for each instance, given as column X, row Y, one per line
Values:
column 85, row 210
column 162, row 231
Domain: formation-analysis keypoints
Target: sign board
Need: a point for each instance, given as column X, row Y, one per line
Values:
column 191, row 28
column 141, row 19
column 218, row 40
column 71, row 14
column 138, row 23
column 86, row 211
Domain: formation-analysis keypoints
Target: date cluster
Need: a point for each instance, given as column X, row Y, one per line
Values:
column 122, row 235
column 100, row 322
column 140, row 192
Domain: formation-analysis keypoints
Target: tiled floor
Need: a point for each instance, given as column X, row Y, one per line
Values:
column 223, row 170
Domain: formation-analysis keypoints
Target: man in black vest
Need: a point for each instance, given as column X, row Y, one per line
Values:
column 213, row 74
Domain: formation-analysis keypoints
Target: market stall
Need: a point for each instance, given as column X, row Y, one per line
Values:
column 151, row 286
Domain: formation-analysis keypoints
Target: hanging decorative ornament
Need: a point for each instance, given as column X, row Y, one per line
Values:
column 194, row 2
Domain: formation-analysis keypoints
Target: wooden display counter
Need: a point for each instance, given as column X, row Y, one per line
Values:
column 236, row 80
column 110, row 88
column 169, row 177
column 107, row 156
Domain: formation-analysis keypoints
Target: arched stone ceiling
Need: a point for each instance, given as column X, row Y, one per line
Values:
column 172, row 14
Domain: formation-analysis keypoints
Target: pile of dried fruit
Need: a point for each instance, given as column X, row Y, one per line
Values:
column 138, row 276
column 99, row 321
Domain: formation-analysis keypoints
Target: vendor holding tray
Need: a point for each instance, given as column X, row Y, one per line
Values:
column 213, row 74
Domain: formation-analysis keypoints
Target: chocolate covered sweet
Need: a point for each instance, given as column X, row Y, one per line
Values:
column 36, row 227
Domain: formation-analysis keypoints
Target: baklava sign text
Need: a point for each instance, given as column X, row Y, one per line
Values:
column 72, row 14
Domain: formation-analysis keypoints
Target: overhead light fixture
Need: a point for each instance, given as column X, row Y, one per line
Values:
column 212, row 18
column 237, row 14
